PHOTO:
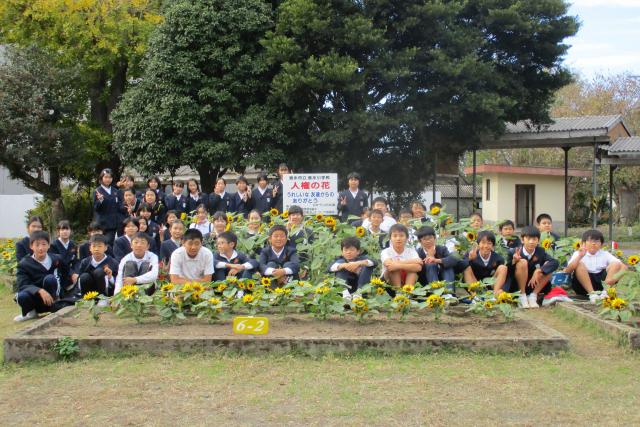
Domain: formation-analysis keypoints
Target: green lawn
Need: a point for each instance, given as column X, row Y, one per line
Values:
column 596, row 383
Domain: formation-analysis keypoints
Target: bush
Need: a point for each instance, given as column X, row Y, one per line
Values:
column 77, row 206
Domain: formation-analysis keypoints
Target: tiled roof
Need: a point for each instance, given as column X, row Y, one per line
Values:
column 563, row 124
column 625, row 145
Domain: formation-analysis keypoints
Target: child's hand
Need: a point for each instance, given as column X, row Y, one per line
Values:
column 431, row 260
column 473, row 253
column 99, row 196
column 129, row 281
column 47, row 299
column 343, row 200
column 516, row 255
column 108, row 271
column 582, row 252
column 535, row 279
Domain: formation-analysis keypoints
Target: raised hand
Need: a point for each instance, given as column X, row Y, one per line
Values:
column 343, row 200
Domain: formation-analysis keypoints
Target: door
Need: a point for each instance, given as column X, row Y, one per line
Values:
column 525, row 205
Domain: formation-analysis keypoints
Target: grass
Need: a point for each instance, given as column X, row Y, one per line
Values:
column 594, row 383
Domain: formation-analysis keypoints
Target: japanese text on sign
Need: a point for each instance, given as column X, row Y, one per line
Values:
column 314, row 193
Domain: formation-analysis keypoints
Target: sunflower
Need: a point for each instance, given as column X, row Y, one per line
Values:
column 471, row 236
column 434, row 301
column 241, row 285
column 435, row 210
column 90, row 295
column 221, row 287
column 437, row 284
column 319, row 217
column 232, row 279
column 619, row 253
column 505, row 298
column 322, row 290
column 449, row 221
column 167, row 287
column 274, row 212
column 488, row 305
column 408, row 288
column 379, row 291
column 187, row 287
column 129, row 290
column 618, row 304
column 214, row 301
column 360, row 231
column 285, row 214
column 183, row 216
column 227, row 227
column 359, row 301
column 247, row 299
column 474, row 287
column 287, row 291
column 250, row 285
column 402, row 301
column 302, row 283
column 271, row 224
column 330, row 221
column 633, row 259
column 229, row 218
column 611, row 293
column 265, row 281
column 198, row 287
column 377, row 281
column 576, row 245
column 546, row 244
column 279, row 291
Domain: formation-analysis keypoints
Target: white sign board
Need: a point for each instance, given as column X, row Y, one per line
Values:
column 313, row 192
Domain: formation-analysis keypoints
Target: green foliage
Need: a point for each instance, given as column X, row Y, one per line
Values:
column 66, row 348
column 201, row 100
column 77, row 201
column 8, row 263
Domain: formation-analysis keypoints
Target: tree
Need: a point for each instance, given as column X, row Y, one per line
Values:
column 40, row 141
column 104, row 38
column 201, row 100
column 381, row 86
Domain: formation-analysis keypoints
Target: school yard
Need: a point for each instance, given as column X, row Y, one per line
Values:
column 595, row 383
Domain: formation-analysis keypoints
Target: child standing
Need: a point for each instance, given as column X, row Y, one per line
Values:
column 352, row 201
column 261, row 195
column 241, row 201
column 177, row 201
column 220, row 200
column 195, row 198
column 107, row 205
column 591, row 266
column 545, row 225
column 122, row 245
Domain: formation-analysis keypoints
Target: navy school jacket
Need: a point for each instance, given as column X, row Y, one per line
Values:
column 84, row 251
column 166, row 249
column 511, row 243
column 287, row 259
column 23, row 249
column 539, row 259
column 69, row 255
column 277, row 200
column 108, row 212
column 84, row 266
column 442, row 253
column 482, row 271
column 299, row 236
column 219, row 204
column 342, row 260
column 121, row 247
column 240, row 258
column 31, row 274
column 354, row 206
column 240, row 206
column 262, row 202
column 192, row 203
column 178, row 204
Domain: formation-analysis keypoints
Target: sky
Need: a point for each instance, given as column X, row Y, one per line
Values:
column 608, row 40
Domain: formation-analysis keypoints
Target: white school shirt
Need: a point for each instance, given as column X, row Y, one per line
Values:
column 390, row 253
column 222, row 264
column 597, row 262
column 191, row 268
column 148, row 277
column 204, row 228
column 334, row 266
column 387, row 222
column 46, row 263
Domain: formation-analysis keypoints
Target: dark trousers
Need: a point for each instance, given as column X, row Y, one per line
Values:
column 596, row 282
column 276, row 266
column 434, row 272
column 28, row 301
column 221, row 274
column 355, row 280
column 131, row 269
column 95, row 281
column 110, row 235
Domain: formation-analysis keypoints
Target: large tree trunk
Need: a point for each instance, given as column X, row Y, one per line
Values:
column 57, row 206
column 628, row 205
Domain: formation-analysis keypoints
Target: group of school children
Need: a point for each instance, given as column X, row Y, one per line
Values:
column 133, row 232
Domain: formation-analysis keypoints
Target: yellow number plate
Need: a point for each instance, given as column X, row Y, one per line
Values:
column 247, row 325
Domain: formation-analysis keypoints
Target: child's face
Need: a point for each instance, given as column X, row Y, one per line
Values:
column 97, row 249
column 427, row 242
column 143, row 225
column 145, row 214
column 130, row 229
column 592, row 246
column 219, row 225
column 485, row 246
column 376, row 220
column 282, row 171
column 129, row 198
column 354, row 183
column 177, row 189
column 476, row 222
column 295, row 219
column 262, row 184
column 278, row 239
column 545, row 225
column 64, row 233
column 220, row 186
column 171, row 218
column 107, row 180
column 150, row 197
column 192, row 247
column 398, row 240
column 405, row 218
column 350, row 252
column 177, row 231
column 40, row 248
column 417, row 210
column 34, row 226
column 193, row 187
column 223, row 246
column 128, row 183
column 153, row 184
column 201, row 214
column 530, row 243
column 506, row 231
column 381, row 206
column 139, row 246
column 242, row 186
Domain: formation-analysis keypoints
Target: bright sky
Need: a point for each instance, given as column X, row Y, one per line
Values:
column 608, row 40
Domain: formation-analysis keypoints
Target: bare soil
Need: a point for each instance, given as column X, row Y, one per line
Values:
column 299, row 325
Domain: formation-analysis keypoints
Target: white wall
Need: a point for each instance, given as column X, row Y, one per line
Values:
column 12, row 216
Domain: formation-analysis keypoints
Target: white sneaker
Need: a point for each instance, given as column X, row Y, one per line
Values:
column 103, row 303
column 346, row 295
column 533, row 301
column 523, row 302
column 450, row 299
column 30, row 315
